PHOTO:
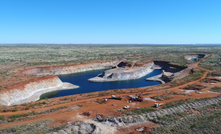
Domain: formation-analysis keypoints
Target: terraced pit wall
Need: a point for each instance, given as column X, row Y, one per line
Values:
column 119, row 74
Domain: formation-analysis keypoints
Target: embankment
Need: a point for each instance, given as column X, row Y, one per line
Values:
column 32, row 90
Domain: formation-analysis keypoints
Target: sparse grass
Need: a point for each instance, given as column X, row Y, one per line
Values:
column 216, row 89
column 103, row 93
column 91, row 95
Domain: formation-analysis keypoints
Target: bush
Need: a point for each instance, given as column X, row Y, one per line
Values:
column 14, row 109
column 2, row 117
column 100, row 101
column 194, row 125
column 15, row 116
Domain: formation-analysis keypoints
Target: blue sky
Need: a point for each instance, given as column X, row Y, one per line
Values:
column 110, row 21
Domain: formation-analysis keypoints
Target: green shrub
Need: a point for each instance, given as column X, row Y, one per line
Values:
column 194, row 125
column 173, row 129
column 2, row 117
column 15, row 116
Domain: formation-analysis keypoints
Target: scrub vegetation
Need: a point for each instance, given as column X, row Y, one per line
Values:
column 216, row 89
column 212, row 63
column 39, row 127
column 204, row 121
column 69, row 54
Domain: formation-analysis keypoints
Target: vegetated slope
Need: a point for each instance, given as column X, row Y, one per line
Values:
column 199, row 120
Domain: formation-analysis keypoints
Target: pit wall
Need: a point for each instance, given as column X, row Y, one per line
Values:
column 124, row 75
column 69, row 69
column 12, row 96
column 167, row 67
column 191, row 56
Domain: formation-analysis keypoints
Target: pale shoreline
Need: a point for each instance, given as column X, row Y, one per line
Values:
column 36, row 96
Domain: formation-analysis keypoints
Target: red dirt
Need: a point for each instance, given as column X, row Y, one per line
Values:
column 21, row 85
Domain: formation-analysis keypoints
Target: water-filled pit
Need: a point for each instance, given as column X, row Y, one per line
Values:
column 81, row 78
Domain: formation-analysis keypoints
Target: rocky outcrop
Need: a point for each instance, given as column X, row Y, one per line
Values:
column 68, row 69
column 118, row 74
column 31, row 91
column 86, row 127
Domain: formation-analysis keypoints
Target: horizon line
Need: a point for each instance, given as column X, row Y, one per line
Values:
column 110, row 44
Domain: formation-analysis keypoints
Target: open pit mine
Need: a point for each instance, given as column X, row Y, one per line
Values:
column 31, row 91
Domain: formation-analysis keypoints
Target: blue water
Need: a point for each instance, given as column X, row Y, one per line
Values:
column 81, row 78
column 193, row 59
